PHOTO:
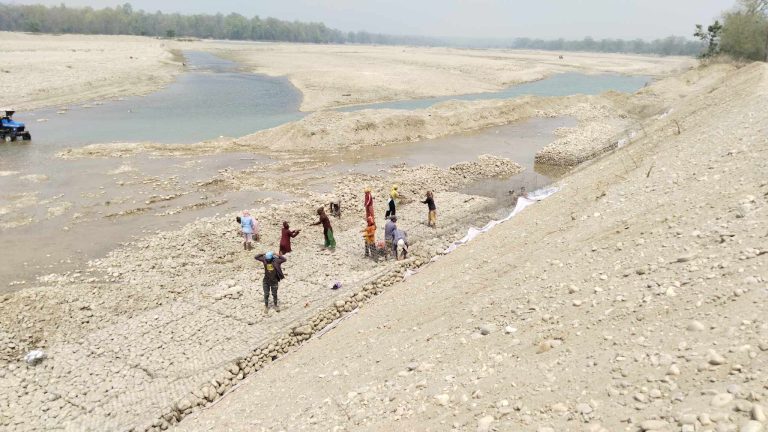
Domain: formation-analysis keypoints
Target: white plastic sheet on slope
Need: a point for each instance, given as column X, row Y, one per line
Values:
column 666, row 113
column 624, row 141
column 522, row 204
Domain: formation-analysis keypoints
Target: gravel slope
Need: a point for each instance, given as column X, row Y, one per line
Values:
column 634, row 299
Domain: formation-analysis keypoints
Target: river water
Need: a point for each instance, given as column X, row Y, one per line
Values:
column 214, row 98
column 557, row 85
column 56, row 214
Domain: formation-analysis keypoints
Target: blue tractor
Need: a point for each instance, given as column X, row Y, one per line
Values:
column 11, row 130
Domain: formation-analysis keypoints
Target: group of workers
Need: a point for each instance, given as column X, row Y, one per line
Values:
column 395, row 239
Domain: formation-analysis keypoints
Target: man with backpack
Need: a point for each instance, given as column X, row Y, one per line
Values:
column 273, row 274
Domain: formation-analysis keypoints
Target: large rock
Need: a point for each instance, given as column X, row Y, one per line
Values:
column 303, row 330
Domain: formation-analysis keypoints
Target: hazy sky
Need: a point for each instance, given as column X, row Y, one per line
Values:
column 549, row 19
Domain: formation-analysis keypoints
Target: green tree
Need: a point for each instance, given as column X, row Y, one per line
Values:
column 760, row 9
column 237, row 27
column 744, row 35
column 711, row 37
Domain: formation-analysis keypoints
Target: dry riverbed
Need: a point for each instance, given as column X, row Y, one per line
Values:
column 47, row 70
column 332, row 75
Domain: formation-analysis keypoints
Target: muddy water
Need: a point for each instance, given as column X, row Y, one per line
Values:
column 519, row 142
column 55, row 214
column 83, row 209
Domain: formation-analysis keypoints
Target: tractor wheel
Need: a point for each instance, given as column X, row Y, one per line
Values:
column 26, row 137
column 7, row 138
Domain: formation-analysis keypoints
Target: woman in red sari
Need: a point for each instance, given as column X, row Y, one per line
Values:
column 368, row 204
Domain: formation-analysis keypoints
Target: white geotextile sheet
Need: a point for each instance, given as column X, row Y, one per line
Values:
column 522, row 204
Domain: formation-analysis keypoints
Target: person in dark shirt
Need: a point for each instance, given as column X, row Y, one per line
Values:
column 330, row 242
column 393, row 195
column 285, row 238
column 432, row 215
column 273, row 274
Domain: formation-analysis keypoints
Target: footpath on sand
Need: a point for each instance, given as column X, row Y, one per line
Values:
column 634, row 300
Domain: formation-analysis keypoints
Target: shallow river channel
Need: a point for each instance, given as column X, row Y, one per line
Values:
column 56, row 214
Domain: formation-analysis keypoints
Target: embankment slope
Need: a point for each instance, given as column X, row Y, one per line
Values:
column 635, row 300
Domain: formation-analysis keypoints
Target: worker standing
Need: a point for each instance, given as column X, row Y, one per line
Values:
column 250, row 228
column 368, row 204
column 393, row 195
column 273, row 274
column 389, row 235
column 330, row 242
column 432, row 215
column 369, row 235
column 285, row 238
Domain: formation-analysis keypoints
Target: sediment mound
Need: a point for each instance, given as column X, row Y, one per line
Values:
column 338, row 131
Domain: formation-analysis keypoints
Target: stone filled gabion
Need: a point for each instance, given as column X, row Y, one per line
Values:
column 233, row 373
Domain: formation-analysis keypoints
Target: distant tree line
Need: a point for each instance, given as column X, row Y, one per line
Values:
column 743, row 33
column 127, row 21
column 124, row 20
column 673, row 45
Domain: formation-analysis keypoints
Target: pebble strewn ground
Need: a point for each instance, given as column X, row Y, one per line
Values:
column 632, row 300
column 132, row 336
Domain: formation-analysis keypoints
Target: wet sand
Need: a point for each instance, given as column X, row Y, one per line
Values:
column 104, row 203
column 135, row 196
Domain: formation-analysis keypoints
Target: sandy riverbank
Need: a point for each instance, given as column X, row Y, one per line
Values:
column 46, row 70
column 332, row 131
column 338, row 75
